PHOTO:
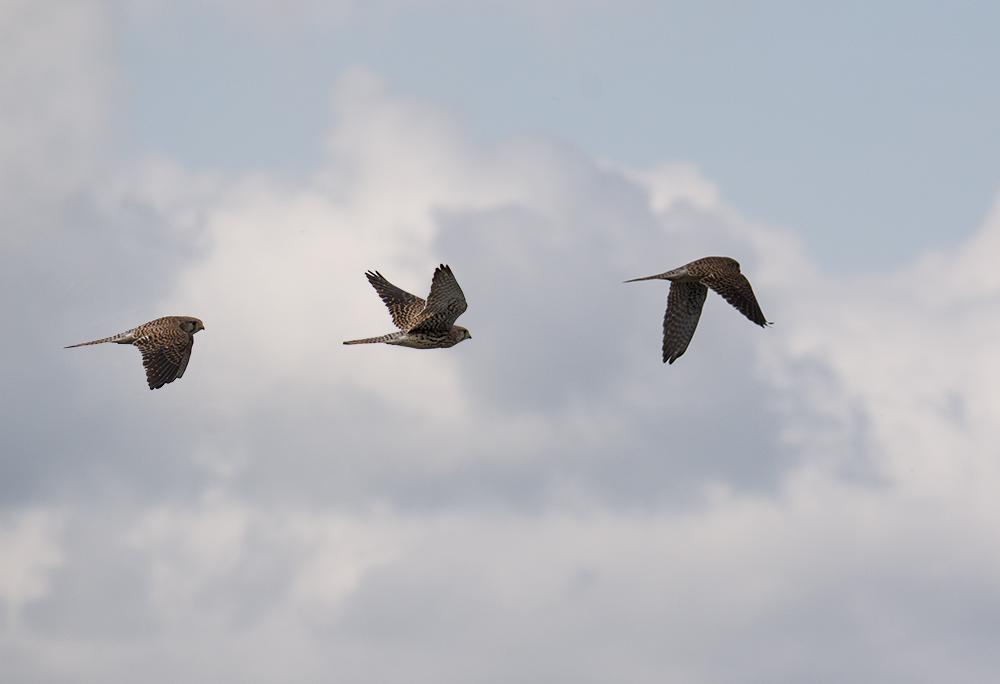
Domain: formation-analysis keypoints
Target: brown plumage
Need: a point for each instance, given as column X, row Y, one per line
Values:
column 423, row 325
column 688, row 290
column 165, row 344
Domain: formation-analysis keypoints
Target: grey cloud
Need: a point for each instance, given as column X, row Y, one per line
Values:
column 812, row 502
column 73, row 261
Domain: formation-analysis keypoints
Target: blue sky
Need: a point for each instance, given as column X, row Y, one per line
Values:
column 867, row 128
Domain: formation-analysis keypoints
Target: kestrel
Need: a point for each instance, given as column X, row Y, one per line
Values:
column 688, row 288
column 165, row 344
column 422, row 325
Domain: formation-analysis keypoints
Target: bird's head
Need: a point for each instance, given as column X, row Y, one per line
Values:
column 192, row 325
column 460, row 333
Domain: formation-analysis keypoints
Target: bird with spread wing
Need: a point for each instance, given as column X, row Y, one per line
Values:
column 165, row 344
column 422, row 324
column 688, row 289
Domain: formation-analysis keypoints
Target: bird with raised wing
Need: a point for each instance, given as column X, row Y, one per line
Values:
column 422, row 325
column 165, row 344
column 688, row 289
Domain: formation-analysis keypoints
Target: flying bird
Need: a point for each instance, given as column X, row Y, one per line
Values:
column 165, row 344
column 688, row 288
column 422, row 325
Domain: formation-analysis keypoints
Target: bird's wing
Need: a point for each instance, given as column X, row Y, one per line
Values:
column 165, row 355
column 403, row 307
column 684, row 304
column 735, row 289
column 445, row 303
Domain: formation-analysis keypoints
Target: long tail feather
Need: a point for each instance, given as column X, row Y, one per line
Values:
column 666, row 275
column 373, row 340
column 119, row 338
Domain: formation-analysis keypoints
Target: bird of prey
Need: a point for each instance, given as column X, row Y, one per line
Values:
column 165, row 345
column 422, row 325
column 688, row 288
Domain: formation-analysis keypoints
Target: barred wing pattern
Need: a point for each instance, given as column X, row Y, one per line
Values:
column 684, row 305
column 404, row 307
column 165, row 356
column 445, row 303
column 736, row 289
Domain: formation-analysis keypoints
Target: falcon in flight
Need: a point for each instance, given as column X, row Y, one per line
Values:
column 422, row 325
column 165, row 345
column 688, row 288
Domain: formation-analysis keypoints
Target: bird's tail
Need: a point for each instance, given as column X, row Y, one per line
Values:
column 374, row 340
column 121, row 338
column 682, row 271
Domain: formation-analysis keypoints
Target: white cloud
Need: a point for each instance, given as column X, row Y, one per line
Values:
column 56, row 95
column 29, row 551
column 813, row 502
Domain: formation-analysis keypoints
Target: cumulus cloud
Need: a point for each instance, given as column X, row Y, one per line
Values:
column 29, row 550
column 547, row 501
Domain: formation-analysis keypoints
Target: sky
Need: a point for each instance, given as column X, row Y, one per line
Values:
column 816, row 501
column 852, row 123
